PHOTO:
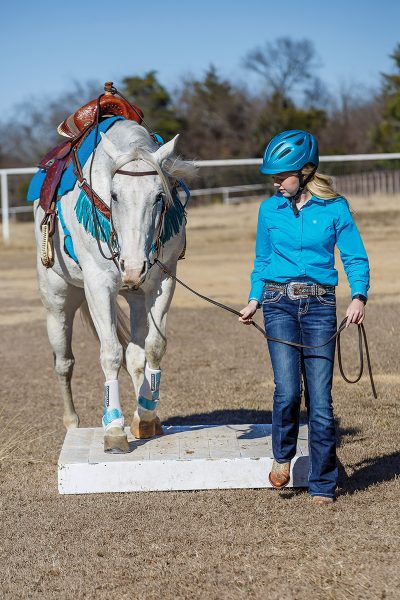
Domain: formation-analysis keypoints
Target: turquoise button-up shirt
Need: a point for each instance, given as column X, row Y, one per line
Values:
column 290, row 248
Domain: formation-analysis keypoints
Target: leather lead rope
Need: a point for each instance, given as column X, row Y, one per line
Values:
column 362, row 336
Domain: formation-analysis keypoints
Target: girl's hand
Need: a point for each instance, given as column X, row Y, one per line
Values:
column 355, row 312
column 248, row 311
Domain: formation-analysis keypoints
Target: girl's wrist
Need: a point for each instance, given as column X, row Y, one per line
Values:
column 360, row 297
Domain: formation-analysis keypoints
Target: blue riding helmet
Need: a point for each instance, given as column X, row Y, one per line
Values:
column 290, row 151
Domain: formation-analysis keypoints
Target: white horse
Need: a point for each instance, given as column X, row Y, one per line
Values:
column 142, row 208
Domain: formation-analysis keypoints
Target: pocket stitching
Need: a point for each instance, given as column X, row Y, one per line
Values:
column 326, row 302
column 272, row 300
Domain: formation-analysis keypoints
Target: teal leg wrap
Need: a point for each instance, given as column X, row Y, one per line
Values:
column 111, row 415
column 147, row 404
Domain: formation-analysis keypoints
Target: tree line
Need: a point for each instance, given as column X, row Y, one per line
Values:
column 219, row 118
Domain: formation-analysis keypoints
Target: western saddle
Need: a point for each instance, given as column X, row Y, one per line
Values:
column 76, row 128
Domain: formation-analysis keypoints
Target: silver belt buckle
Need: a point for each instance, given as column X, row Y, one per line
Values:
column 290, row 291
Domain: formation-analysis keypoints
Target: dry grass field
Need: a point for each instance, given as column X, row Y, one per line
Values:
column 209, row 544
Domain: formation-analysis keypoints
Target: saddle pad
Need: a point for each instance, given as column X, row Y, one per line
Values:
column 68, row 178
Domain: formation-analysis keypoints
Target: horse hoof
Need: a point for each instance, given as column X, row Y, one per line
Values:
column 146, row 429
column 116, row 441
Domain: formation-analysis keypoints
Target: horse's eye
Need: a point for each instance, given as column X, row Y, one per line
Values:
column 114, row 196
column 160, row 198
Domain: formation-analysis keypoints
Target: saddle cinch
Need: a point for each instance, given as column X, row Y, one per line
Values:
column 76, row 128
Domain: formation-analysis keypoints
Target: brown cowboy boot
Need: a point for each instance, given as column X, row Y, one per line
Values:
column 280, row 474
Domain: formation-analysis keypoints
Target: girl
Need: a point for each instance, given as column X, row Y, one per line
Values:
column 294, row 281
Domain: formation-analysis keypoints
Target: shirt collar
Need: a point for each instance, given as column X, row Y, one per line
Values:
column 286, row 202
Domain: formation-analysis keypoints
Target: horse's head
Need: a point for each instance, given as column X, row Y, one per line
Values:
column 140, row 194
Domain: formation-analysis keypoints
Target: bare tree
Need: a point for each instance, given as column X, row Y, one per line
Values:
column 354, row 114
column 32, row 130
column 317, row 95
column 284, row 64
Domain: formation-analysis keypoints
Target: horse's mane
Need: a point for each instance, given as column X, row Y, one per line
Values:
column 142, row 146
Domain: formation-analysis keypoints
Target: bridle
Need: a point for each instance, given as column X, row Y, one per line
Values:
column 99, row 204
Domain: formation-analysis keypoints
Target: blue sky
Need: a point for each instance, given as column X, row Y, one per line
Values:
column 44, row 45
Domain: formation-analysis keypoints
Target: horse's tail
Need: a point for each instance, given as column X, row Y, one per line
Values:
column 123, row 326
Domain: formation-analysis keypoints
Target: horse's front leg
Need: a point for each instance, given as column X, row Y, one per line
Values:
column 101, row 300
column 145, row 353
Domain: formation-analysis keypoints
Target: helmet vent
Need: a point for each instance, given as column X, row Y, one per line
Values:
column 287, row 137
column 277, row 148
column 284, row 153
column 299, row 142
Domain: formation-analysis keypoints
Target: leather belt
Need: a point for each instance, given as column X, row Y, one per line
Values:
column 296, row 289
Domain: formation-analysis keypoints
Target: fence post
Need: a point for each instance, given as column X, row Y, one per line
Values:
column 225, row 195
column 4, row 209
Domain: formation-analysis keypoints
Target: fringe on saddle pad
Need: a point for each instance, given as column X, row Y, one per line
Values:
column 84, row 213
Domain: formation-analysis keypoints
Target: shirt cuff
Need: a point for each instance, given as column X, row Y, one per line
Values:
column 257, row 291
column 257, row 300
column 359, row 288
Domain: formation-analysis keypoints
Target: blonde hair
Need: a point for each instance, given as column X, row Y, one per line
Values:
column 321, row 186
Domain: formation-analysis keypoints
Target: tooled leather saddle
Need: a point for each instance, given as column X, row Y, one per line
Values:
column 110, row 105
column 76, row 127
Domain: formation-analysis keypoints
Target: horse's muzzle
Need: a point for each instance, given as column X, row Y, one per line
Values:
column 133, row 276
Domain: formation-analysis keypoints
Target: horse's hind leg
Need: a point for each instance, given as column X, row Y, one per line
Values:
column 61, row 301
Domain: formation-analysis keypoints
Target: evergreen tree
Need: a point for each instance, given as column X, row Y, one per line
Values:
column 387, row 133
column 154, row 100
column 280, row 114
column 216, row 118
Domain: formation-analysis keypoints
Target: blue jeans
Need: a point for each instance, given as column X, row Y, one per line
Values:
column 309, row 321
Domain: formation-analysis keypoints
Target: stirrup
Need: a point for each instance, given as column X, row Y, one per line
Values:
column 46, row 247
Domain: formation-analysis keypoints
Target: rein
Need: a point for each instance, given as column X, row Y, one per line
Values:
column 362, row 336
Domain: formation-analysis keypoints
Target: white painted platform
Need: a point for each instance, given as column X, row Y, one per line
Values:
column 195, row 457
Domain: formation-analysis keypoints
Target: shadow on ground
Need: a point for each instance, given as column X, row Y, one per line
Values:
column 367, row 473
column 370, row 472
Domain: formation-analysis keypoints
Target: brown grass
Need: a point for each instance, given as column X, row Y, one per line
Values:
column 211, row 544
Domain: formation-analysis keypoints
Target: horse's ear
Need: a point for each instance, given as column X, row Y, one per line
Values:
column 109, row 147
column 166, row 150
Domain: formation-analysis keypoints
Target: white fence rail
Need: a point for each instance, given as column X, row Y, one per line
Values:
column 226, row 192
